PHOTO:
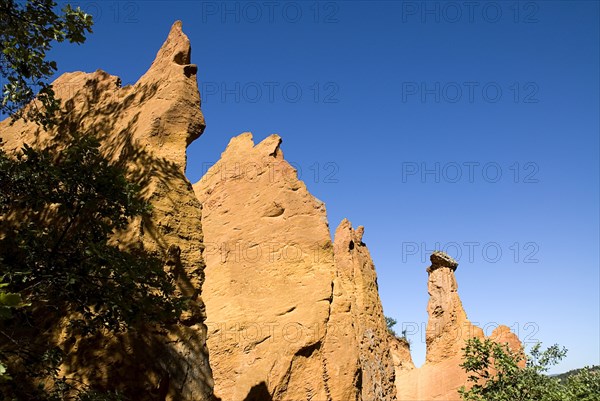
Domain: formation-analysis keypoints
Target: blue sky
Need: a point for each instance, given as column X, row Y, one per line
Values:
column 467, row 126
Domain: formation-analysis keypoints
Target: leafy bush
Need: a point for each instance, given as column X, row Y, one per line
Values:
column 497, row 373
column 390, row 323
column 27, row 30
column 59, row 211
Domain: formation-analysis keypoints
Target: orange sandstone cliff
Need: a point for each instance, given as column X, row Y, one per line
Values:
column 447, row 330
column 291, row 315
column 285, row 313
column 146, row 126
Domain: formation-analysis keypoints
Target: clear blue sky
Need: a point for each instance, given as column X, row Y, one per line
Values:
column 470, row 125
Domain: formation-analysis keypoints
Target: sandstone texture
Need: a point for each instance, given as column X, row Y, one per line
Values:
column 358, row 282
column 286, row 313
column 400, row 349
column 269, row 276
column 448, row 326
column 291, row 316
column 146, row 127
column 447, row 330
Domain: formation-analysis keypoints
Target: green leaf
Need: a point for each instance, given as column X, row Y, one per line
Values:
column 10, row 300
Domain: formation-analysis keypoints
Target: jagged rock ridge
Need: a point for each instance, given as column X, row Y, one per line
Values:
column 291, row 316
column 359, row 293
column 147, row 127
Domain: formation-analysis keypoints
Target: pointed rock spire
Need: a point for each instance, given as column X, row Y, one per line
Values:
column 147, row 127
column 269, row 273
column 447, row 330
column 448, row 322
column 175, row 50
column 360, row 313
column 169, row 90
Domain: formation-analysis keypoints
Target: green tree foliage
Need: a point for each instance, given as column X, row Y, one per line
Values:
column 8, row 302
column 27, row 32
column 564, row 376
column 496, row 373
column 59, row 211
column 390, row 323
column 584, row 385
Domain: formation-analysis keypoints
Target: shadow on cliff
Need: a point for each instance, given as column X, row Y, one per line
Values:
column 259, row 392
column 147, row 362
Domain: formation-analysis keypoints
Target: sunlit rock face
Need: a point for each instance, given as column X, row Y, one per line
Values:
column 358, row 285
column 286, row 313
column 269, row 275
column 291, row 315
column 146, row 127
column 447, row 330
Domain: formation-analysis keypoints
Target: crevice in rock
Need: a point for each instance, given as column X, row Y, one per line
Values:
column 307, row 351
column 259, row 392
column 287, row 311
column 275, row 210
column 263, row 340
column 182, row 57
column 190, row 69
column 323, row 359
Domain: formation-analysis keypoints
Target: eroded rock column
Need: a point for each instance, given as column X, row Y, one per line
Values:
column 447, row 330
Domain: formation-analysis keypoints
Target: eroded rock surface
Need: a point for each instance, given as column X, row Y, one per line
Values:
column 290, row 315
column 287, row 319
column 147, row 127
column 447, row 330
column 448, row 326
column 269, row 275
column 358, row 280
column 400, row 349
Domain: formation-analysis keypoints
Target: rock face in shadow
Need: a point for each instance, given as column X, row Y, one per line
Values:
column 447, row 330
column 289, row 312
column 146, row 127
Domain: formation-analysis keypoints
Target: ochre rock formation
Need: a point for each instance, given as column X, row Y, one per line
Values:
column 147, row 127
column 448, row 326
column 447, row 330
column 400, row 349
column 357, row 281
column 291, row 316
column 269, row 275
